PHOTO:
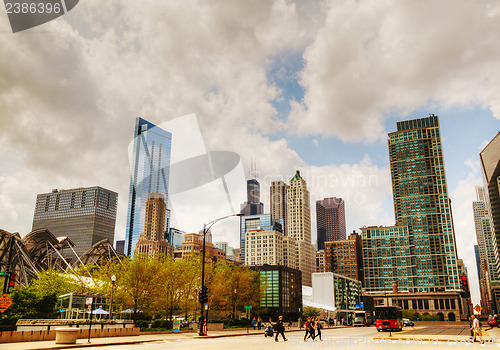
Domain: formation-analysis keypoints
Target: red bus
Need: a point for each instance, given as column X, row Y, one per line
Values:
column 388, row 318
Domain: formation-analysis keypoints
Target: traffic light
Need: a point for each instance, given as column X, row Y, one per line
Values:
column 464, row 283
column 203, row 295
column 10, row 282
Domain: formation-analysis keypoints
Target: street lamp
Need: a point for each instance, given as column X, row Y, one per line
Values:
column 113, row 280
column 203, row 293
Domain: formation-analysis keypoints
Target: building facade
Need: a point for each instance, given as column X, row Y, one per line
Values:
column 345, row 257
column 422, row 204
column 299, row 225
column 253, row 205
column 255, row 222
column 152, row 240
column 264, row 247
column 283, row 291
column 278, row 195
column 150, row 172
column 193, row 243
column 330, row 221
column 84, row 215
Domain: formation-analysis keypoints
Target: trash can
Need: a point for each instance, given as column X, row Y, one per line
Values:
column 66, row 335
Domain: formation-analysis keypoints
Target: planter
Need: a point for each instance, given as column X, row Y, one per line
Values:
column 66, row 335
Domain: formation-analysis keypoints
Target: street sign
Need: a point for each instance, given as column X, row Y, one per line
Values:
column 5, row 302
column 88, row 301
column 177, row 325
column 478, row 308
column 3, row 273
column 248, row 307
column 206, row 306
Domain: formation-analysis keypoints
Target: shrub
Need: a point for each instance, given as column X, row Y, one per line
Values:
column 141, row 324
column 161, row 324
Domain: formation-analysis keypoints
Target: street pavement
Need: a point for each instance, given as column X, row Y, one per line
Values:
column 338, row 338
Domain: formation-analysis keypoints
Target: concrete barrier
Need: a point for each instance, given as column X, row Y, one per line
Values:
column 215, row 326
column 66, row 335
column 26, row 336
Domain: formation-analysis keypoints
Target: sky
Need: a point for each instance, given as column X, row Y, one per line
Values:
column 314, row 86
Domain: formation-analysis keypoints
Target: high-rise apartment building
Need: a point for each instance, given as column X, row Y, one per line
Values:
column 84, row 215
column 152, row 240
column 345, row 257
column 419, row 252
column 278, row 195
column 150, row 172
column 330, row 220
column 421, row 202
column 299, row 225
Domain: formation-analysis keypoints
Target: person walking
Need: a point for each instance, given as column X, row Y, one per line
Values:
column 335, row 322
column 279, row 327
column 254, row 322
column 290, row 323
column 313, row 328
column 319, row 326
column 259, row 323
column 299, row 321
column 308, row 329
column 476, row 328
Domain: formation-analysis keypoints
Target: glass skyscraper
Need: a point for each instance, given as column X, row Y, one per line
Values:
column 150, row 172
column 421, row 203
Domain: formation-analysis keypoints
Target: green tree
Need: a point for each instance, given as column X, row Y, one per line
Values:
column 28, row 303
column 310, row 311
column 409, row 314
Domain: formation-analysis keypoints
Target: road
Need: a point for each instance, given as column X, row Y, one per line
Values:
column 346, row 338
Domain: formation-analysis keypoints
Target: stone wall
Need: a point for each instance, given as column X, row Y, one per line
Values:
column 26, row 336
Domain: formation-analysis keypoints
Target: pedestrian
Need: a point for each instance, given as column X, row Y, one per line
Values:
column 299, row 321
column 335, row 322
column 279, row 327
column 313, row 328
column 308, row 329
column 259, row 323
column 254, row 322
column 342, row 323
column 290, row 323
column 476, row 328
column 319, row 326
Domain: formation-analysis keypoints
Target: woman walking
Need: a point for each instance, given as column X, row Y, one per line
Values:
column 279, row 327
column 319, row 326
column 309, row 329
column 313, row 328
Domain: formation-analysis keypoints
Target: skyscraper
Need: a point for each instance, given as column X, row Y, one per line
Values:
column 150, row 172
column 254, row 222
column 253, row 205
column 278, row 194
column 84, row 215
column 422, row 204
column 490, row 164
column 152, row 239
column 299, row 225
column 330, row 220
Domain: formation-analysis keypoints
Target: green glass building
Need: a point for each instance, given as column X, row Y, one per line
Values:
column 422, row 204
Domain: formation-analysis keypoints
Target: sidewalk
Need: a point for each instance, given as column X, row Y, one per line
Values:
column 82, row 343
column 453, row 333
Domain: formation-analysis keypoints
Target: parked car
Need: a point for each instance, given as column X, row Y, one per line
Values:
column 407, row 322
column 494, row 321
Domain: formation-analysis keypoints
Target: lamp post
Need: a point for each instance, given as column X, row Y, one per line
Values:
column 204, row 292
column 113, row 279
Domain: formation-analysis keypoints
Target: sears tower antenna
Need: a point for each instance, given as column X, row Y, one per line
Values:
column 253, row 168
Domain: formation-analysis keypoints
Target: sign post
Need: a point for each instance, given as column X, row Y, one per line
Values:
column 90, row 301
column 248, row 308
column 177, row 325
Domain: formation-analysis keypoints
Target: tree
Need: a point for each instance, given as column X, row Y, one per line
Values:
column 52, row 281
column 28, row 303
column 409, row 314
column 310, row 311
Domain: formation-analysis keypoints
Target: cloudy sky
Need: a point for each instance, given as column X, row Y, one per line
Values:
column 314, row 86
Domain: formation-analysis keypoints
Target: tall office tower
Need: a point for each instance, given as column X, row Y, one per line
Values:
column 150, row 172
column 330, row 220
column 255, row 222
column 278, row 193
column 152, row 239
column 253, row 205
column 490, row 164
column 299, row 225
column 422, row 204
column 84, row 215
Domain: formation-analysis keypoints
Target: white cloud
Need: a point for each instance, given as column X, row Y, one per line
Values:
column 367, row 62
